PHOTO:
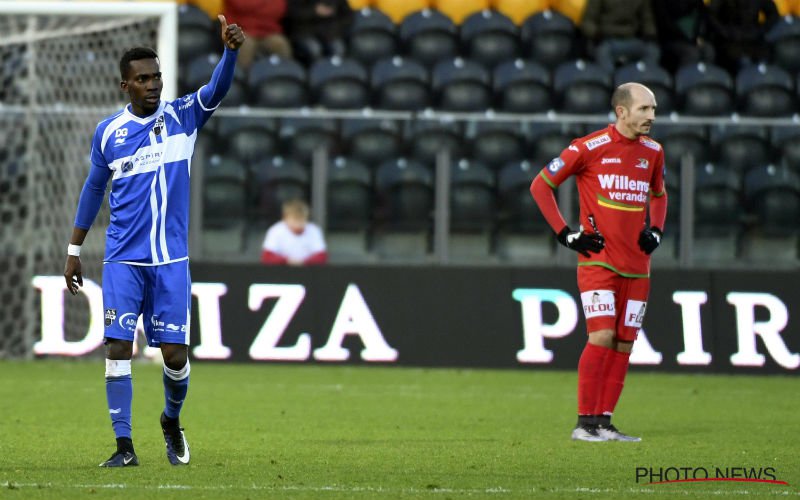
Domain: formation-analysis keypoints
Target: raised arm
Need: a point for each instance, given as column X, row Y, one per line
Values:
column 233, row 37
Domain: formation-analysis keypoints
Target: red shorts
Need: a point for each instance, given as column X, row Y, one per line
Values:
column 612, row 302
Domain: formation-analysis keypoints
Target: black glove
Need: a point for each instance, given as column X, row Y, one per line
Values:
column 581, row 242
column 649, row 239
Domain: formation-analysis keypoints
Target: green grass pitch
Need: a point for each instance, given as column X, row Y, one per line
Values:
column 303, row 431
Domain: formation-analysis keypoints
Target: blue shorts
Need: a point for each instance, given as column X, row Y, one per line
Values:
column 161, row 294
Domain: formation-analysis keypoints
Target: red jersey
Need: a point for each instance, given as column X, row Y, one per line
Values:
column 615, row 177
column 258, row 18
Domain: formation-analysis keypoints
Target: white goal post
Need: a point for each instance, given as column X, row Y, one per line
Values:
column 59, row 76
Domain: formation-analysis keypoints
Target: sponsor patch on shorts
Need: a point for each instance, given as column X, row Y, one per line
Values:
column 598, row 303
column 634, row 313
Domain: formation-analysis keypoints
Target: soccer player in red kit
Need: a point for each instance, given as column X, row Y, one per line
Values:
column 618, row 170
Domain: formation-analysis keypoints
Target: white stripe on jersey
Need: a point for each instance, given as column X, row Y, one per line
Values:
column 154, row 216
column 200, row 101
column 162, row 182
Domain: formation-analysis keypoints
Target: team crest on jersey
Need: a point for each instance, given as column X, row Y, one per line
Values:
column 110, row 316
column 555, row 165
column 643, row 163
column 597, row 141
column 650, row 143
column 158, row 125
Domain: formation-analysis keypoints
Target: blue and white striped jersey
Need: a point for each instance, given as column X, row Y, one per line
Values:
column 149, row 161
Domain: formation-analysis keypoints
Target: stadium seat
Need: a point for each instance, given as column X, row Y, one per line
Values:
column 772, row 195
column 224, row 204
column 522, row 86
column 523, row 233
column 459, row 10
column 248, row 139
column 741, row 147
column 496, row 143
column 278, row 83
column 655, row 78
column 278, row 179
column 582, row 87
column 573, row 9
column 199, row 71
column 301, row 136
column 472, row 198
column 372, row 36
column 519, row 10
column 371, row 141
column 338, row 83
column 461, row 85
column 429, row 36
column 548, row 37
column 400, row 84
column 399, row 10
column 682, row 140
column 426, row 138
column 784, row 37
column 704, row 90
column 718, row 213
column 786, row 144
column 489, row 38
column 196, row 33
column 764, row 90
column 548, row 140
column 404, row 188
column 349, row 195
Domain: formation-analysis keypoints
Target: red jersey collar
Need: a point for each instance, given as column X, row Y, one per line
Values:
column 617, row 137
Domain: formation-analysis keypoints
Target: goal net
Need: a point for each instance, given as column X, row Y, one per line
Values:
column 59, row 75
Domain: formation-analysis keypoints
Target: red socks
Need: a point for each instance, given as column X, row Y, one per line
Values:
column 614, row 371
column 590, row 378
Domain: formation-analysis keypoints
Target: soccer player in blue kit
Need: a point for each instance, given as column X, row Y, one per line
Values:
column 146, row 151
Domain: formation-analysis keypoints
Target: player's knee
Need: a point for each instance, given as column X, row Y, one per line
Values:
column 175, row 355
column 602, row 338
column 624, row 346
column 118, row 349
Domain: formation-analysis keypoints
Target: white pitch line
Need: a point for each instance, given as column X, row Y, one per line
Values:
column 498, row 490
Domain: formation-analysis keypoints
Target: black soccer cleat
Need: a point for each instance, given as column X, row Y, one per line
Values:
column 121, row 459
column 611, row 433
column 587, row 432
column 177, row 447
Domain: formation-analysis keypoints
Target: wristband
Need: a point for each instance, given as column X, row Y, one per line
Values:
column 74, row 250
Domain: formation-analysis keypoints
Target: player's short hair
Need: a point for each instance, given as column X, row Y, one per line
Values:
column 296, row 207
column 134, row 54
column 622, row 97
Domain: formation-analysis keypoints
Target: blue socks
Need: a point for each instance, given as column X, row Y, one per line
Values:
column 119, row 393
column 176, row 384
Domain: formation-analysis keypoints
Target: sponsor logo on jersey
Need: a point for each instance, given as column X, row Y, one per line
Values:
column 643, row 163
column 598, row 303
column 634, row 313
column 573, row 147
column 597, row 141
column 188, row 102
column 650, row 143
column 120, row 134
column 173, row 327
column 555, row 165
column 606, row 161
column 127, row 166
column 147, row 160
column 110, row 316
column 623, row 188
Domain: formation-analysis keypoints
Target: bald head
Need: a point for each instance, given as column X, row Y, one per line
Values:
column 635, row 108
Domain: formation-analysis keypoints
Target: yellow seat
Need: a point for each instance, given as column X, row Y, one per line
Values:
column 210, row 7
column 788, row 7
column 573, row 9
column 458, row 10
column 399, row 9
column 359, row 4
column 519, row 10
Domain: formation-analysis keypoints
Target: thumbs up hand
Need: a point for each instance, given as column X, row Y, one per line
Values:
column 232, row 35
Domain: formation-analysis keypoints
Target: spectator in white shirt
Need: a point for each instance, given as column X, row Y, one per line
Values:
column 294, row 240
